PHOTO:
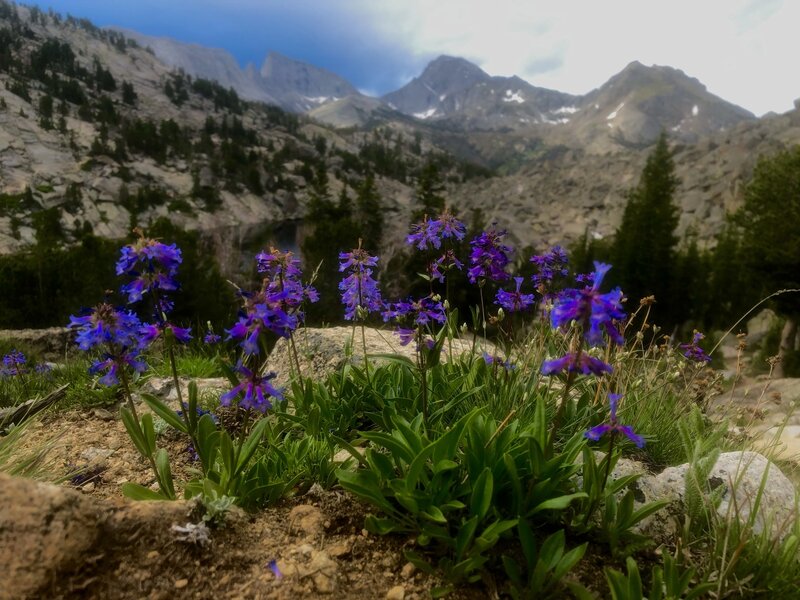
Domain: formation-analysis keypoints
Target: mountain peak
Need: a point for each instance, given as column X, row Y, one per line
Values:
column 452, row 72
column 300, row 85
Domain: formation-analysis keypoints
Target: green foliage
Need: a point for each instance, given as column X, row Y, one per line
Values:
column 668, row 583
column 770, row 218
column 544, row 564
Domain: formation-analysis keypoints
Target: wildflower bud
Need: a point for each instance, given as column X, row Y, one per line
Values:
column 446, row 304
column 500, row 314
column 436, row 298
column 639, row 336
column 361, row 313
column 463, row 329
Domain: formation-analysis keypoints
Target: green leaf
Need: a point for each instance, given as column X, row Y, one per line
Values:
column 482, row 493
column 149, row 433
column 569, row 560
column 634, row 580
column 417, row 465
column 380, row 526
column 380, row 464
column 191, row 413
column 164, row 474
column 434, row 514
column 165, row 412
column 444, row 465
column 134, row 431
column 134, row 491
column 558, row 503
column 394, row 358
column 465, row 535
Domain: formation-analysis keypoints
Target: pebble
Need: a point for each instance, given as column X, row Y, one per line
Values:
column 182, row 583
column 89, row 487
column 407, row 572
column 103, row 414
column 338, row 550
column 398, row 592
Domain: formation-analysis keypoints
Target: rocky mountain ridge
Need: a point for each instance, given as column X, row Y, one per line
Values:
column 629, row 110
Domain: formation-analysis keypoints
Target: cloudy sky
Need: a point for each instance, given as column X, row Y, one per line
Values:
column 742, row 50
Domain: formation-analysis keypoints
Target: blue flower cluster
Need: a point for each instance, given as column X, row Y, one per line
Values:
column 549, row 267
column 115, row 331
column 361, row 295
column 255, row 390
column 693, row 351
column 14, row 363
column 153, row 266
column 489, row 257
column 613, row 427
column 431, row 233
column 514, row 301
column 276, row 307
column 596, row 314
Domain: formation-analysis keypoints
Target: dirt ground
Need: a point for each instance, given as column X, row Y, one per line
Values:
column 317, row 541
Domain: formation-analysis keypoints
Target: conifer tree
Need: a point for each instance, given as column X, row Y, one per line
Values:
column 369, row 214
column 429, row 200
column 645, row 246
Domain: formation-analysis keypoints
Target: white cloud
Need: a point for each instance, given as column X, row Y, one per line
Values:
column 741, row 49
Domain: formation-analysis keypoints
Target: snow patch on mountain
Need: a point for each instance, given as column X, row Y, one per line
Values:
column 613, row 114
column 513, row 97
column 426, row 114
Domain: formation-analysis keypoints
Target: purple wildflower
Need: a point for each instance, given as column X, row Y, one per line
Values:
column 433, row 232
column 153, row 266
column 212, row 338
column 489, row 257
column 422, row 235
column 420, row 312
column 256, row 388
column 360, row 292
column 276, row 264
column 115, row 330
column 277, row 305
column 446, row 261
column 406, row 335
column 514, row 301
column 451, row 227
column 260, row 318
column 106, row 325
column 496, row 360
column 549, row 266
column 593, row 311
column 358, row 258
column 614, row 428
column 693, row 351
column 570, row 362
column 43, row 368
column 110, row 364
column 14, row 363
column 273, row 566
column 149, row 333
